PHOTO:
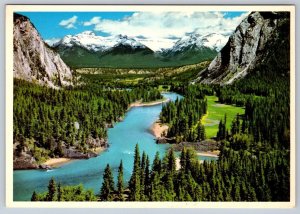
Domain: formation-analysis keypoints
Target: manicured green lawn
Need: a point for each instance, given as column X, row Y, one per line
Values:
column 216, row 112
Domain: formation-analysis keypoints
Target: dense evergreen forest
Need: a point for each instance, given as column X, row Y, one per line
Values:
column 46, row 119
column 56, row 192
column 184, row 116
column 253, row 164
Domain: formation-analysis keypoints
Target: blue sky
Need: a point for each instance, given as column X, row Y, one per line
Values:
column 149, row 25
column 48, row 26
column 233, row 14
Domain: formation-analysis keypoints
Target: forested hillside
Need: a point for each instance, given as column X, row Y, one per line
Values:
column 48, row 121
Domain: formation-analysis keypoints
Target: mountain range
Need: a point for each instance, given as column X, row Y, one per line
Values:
column 260, row 43
column 89, row 50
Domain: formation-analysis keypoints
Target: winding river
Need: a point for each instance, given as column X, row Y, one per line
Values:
column 122, row 139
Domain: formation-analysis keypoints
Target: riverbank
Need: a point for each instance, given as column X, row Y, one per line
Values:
column 206, row 146
column 57, row 162
column 177, row 163
column 152, row 103
column 214, row 154
column 158, row 129
column 98, row 150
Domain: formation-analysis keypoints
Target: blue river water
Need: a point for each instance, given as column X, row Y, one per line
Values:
column 122, row 140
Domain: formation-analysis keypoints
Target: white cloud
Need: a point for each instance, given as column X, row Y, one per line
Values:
column 69, row 23
column 93, row 21
column 163, row 25
column 157, row 44
column 52, row 41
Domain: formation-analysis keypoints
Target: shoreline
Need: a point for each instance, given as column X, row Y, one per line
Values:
column 57, row 162
column 152, row 103
column 214, row 154
column 177, row 163
column 157, row 129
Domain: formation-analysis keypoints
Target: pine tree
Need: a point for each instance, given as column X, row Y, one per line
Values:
column 59, row 192
column 59, row 150
column 135, row 182
column 189, row 158
column 183, row 159
column 34, row 196
column 156, row 166
column 235, row 125
column 170, row 196
column 220, row 134
column 156, row 188
column 137, row 158
column 236, row 192
column 142, row 176
column 187, row 196
column 147, row 177
column 120, row 185
column 224, row 127
column 201, row 132
column 171, row 162
column 51, row 190
column 107, row 189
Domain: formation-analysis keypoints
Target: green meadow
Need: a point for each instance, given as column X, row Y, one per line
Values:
column 216, row 112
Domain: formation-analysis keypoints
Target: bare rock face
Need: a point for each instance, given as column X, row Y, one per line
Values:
column 33, row 60
column 260, row 40
column 23, row 158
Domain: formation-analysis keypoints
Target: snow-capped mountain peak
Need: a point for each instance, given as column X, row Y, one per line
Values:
column 92, row 42
column 128, row 41
column 88, row 32
column 213, row 41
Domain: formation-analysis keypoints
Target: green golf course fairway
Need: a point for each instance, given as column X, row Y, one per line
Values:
column 216, row 112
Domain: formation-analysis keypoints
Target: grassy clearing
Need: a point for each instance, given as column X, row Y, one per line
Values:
column 163, row 88
column 216, row 112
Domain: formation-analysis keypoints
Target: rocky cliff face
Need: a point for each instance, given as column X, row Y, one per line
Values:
column 261, row 41
column 33, row 60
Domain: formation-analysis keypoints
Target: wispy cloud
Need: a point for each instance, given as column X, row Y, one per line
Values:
column 69, row 23
column 167, row 24
column 95, row 20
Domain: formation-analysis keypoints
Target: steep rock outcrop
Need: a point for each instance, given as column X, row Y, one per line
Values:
column 260, row 42
column 34, row 60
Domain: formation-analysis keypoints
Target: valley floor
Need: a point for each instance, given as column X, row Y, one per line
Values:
column 216, row 112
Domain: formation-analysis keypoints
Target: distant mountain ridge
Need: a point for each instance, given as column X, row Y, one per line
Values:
column 89, row 50
column 91, row 42
column 213, row 41
column 34, row 60
column 194, row 46
column 260, row 43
